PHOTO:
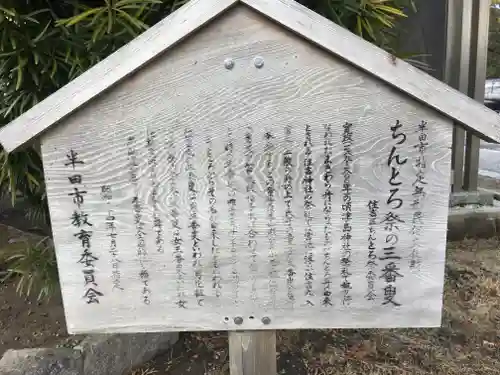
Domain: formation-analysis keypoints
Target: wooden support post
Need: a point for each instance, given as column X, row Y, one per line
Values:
column 477, row 77
column 252, row 352
column 459, row 19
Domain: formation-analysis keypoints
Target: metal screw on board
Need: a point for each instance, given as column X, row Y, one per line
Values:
column 258, row 62
column 238, row 320
column 229, row 64
column 266, row 320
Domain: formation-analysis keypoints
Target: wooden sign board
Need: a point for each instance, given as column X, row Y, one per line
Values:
column 249, row 180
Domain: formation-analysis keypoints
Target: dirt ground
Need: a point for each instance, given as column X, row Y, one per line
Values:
column 24, row 322
column 468, row 343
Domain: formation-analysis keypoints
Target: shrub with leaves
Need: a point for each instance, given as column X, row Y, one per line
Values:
column 34, row 266
column 494, row 42
column 44, row 44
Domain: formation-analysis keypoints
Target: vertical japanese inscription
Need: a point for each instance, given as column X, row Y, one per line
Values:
column 251, row 197
column 391, row 258
column 271, row 214
column 194, row 224
column 327, row 211
column 214, row 227
column 80, row 220
column 308, row 186
column 371, row 264
column 231, row 202
column 175, row 225
column 288, row 197
column 153, row 166
column 138, row 220
column 107, row 196
column 345, row 260
column 418, row 194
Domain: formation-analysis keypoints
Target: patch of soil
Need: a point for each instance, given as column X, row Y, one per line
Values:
column 467, row 343
column 26, row 323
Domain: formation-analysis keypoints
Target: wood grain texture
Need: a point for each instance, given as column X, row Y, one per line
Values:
column 288, row 13
column 111, row 70
column 252, row 353
column 194, row 106
column 362, row 54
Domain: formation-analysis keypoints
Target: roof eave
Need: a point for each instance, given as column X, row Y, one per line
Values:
column 465, row 111
column 107, row 73
column 290, row 14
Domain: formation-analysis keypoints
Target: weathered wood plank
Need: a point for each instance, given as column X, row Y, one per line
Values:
column 459, row 20
column 108, row 72
column 412, row 81
column 479, row 41
column 161, row 146
column 458, row 158
column 252, row 353
column 289, row 14
column 471, row 162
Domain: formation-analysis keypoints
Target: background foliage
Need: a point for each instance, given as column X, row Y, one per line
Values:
column 34, row 267
column 44, row 44
column 493, row 70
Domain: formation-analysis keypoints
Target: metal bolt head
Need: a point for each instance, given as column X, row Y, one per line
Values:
column 238, row 320
column 258, row 62
column 229, row 63
column 266, row 320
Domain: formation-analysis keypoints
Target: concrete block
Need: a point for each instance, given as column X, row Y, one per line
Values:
column 481, row 198
column 61, row 361
column 473, row 223
column 115, row 354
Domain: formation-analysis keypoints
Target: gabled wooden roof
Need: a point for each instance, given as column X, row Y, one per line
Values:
column 291, row 15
